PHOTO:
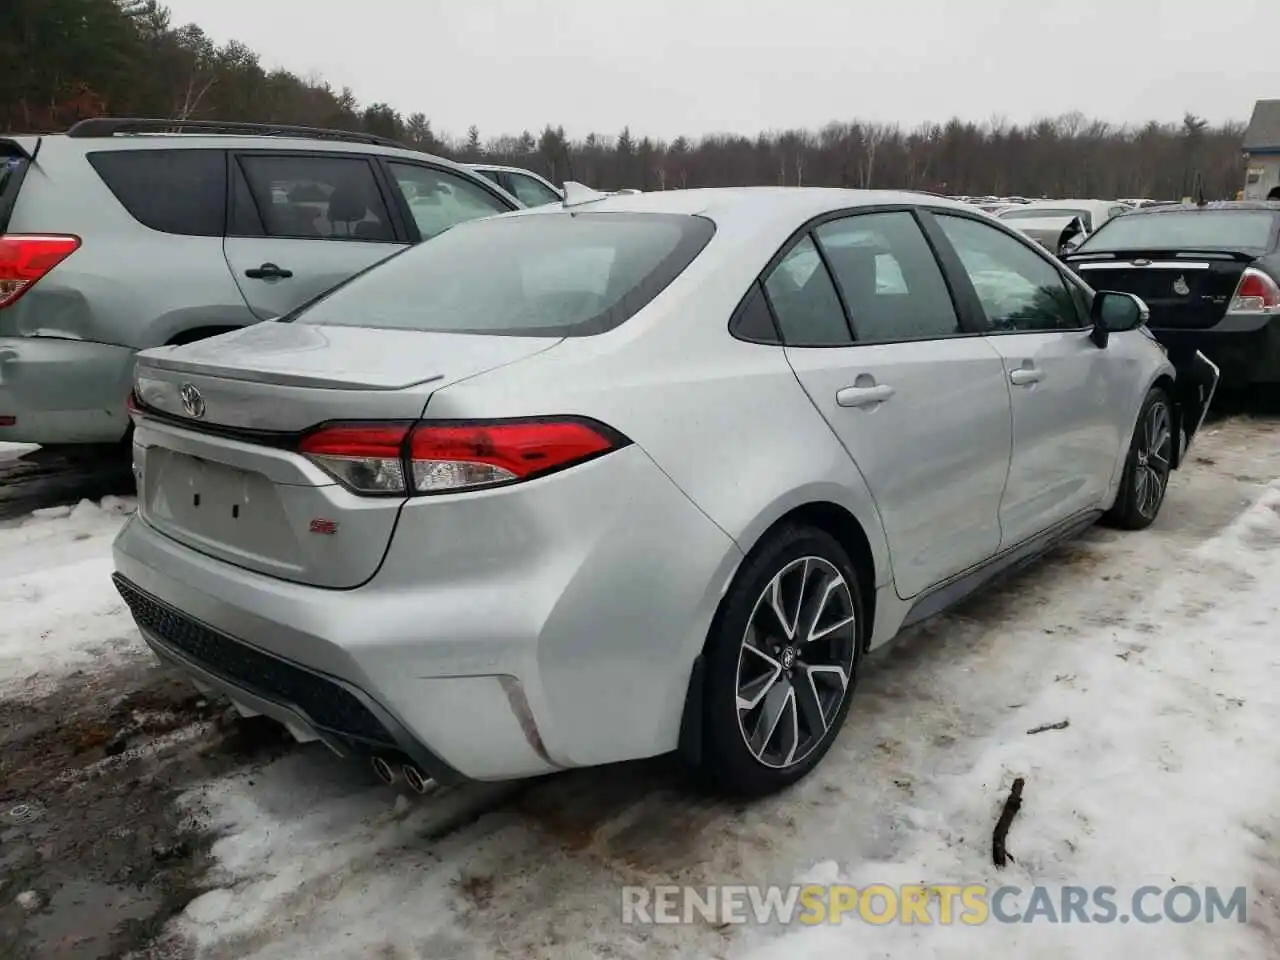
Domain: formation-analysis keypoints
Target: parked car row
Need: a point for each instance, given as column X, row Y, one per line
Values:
column 596, row 479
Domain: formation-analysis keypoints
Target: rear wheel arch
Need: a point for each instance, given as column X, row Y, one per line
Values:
column 831, row 518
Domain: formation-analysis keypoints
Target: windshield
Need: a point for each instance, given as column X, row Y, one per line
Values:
column 553, row 275
column 1042, row 213
column 1242, row 230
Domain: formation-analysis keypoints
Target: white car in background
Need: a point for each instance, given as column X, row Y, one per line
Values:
column 1045, row 220
column 525, row 185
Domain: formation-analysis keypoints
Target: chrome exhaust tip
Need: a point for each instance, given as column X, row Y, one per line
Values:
column 383, row 770
column 418, row 782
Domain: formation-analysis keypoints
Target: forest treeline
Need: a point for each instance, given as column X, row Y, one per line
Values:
column 64, row 60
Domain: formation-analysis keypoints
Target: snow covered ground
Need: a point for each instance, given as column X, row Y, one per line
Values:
column 58, row 609
column 1159, row 648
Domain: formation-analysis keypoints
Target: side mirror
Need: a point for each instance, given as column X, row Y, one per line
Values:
column 1115, row 312
column 1070, row 244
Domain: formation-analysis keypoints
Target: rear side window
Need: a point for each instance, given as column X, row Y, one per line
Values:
column 12, row 170
column 1243, row 230
column 173, row 191
column 805, row 300
column 548, row 275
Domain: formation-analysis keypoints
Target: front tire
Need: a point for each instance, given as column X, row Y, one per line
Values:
column 781, row 663
column 1147, row 467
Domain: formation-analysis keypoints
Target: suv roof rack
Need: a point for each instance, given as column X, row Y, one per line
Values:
column 110, row 126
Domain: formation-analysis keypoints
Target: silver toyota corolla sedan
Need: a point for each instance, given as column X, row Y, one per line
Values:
column 633, row 474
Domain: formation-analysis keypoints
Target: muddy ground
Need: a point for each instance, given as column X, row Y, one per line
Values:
column 94, row 857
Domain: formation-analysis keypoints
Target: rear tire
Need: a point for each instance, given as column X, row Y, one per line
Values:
column 1147, row 467
column 781, row 663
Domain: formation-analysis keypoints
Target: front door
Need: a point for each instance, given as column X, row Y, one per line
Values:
column 302, row 223
column 922, row 409
column 1065, row 391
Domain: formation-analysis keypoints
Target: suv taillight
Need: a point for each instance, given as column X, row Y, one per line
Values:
column 1256, row 293
column 24, row 259
column 390, row 459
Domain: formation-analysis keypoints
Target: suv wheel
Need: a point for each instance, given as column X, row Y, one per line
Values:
column 782, row 663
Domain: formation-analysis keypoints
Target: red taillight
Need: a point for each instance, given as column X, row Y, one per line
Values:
column 1256, row 293
column 366, row 457
column 446, row 457
column 25, row 259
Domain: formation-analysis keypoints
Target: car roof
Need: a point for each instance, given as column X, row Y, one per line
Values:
column 1272, row 206
column 499, row 168
column 751, row 206
column 1065, row 204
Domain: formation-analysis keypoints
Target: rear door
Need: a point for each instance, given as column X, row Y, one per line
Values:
column 918, row 400
column 1065, row 391
column 301, row 223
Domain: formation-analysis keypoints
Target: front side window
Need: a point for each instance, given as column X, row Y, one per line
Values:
column 317, row 198
column 440, row 200
column 890, row 280
column 549, row 275
column 1019, row 289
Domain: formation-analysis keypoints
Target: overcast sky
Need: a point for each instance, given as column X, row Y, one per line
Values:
column 669, row 67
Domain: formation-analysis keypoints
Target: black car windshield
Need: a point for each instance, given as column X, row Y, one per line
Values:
column 1247, row 231
column 552, row 275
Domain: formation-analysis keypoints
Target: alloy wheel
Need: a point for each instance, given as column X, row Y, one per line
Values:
column 796, row 661
column 1154, row 453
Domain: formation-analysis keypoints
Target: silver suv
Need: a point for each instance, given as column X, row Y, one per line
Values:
column 121, row 235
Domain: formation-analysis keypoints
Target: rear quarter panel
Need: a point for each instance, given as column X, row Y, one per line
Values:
column 127, row 285
column 724, row 419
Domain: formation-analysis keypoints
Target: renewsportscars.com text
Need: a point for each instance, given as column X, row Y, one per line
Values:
column 943, row 904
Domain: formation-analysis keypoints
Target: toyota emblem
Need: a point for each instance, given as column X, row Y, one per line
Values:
column 192, row 401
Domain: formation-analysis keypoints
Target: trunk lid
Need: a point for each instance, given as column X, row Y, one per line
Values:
column 1185, row 289
column 215, row 443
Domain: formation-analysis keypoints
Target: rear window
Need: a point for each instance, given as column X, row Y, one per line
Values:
column 1242, row 230
column 173, row 191
column 12, row 170
column 549, row 275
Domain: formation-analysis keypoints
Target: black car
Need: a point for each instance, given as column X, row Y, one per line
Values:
column 1209, row 273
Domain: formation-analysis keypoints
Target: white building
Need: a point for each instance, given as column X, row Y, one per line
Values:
column 1262, row 151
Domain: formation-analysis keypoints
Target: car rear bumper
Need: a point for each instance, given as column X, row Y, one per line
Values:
column 1245, row 346
column 63, row 391
column 545, row 645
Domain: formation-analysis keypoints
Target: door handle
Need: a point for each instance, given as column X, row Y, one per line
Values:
column 1025, row 376
column 268, row 271
column 863, row 396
